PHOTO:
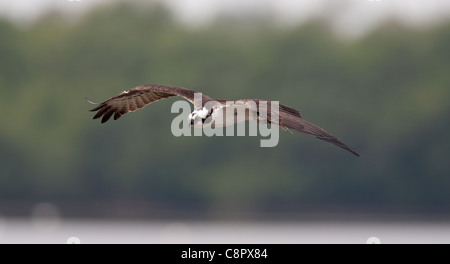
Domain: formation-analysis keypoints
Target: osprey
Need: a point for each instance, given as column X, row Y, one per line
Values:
column 206, row 114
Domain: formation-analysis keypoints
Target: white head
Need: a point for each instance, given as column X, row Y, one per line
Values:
column 196, row 118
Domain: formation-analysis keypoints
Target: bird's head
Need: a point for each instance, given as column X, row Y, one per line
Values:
column 197, row 117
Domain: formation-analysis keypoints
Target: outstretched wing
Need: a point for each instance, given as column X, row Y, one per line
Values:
column 291, row 119
column 288, row 120
column 137, row 98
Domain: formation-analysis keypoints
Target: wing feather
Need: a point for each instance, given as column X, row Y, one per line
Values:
column 107, row 115
column 101, row 111
column 133, row 106
column 139, row 97
column 139, row 101
column 290, row 118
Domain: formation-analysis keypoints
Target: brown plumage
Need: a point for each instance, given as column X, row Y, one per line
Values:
column 137, row 98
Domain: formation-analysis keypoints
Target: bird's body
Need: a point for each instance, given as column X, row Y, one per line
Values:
column 213, row 112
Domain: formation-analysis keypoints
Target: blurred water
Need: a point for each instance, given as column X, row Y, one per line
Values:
column 29, row 231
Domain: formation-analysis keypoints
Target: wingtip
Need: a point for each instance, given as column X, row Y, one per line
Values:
column 349, row 149
column 356, row 153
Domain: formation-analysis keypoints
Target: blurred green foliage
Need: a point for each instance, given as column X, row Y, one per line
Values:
column 386, row 94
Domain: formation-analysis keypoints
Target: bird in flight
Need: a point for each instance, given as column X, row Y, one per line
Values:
column 207, row 114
